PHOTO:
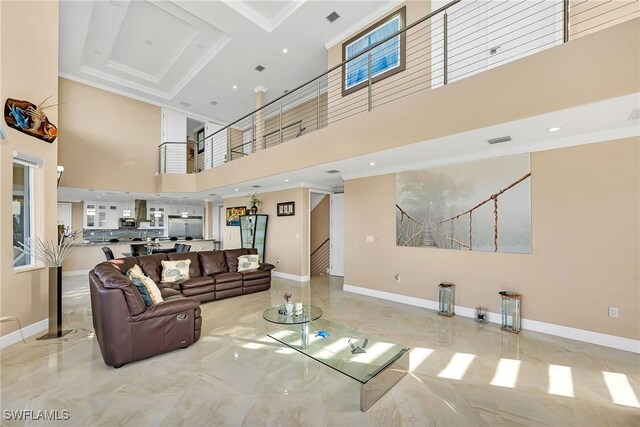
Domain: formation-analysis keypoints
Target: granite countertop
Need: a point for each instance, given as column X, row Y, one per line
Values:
column 129, row 241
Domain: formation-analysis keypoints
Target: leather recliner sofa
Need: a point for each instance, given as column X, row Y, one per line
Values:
column 127, row 330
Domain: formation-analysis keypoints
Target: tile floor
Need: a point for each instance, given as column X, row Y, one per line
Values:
column 462, row 373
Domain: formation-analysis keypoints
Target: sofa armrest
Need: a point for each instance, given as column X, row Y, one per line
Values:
column 167, row 308
column 266, row 266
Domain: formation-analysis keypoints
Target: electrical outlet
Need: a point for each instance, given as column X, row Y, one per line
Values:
column 398, row 278
column 277, row 261
column 613, row 312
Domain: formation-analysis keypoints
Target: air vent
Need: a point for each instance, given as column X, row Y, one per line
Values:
column 212, row 194
column 259, row 68
column 285, row 91
column 214, row 103
column 185, row 104
column 635, row 114
column 332, row 171
column 499, row 140
column 332, row 17
column 256, row 186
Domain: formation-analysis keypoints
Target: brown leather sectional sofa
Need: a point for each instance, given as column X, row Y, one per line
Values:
column 127, row 330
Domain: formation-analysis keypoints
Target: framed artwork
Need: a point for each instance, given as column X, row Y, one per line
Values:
column 200, row 139
column 286, row 209
column 234, row 214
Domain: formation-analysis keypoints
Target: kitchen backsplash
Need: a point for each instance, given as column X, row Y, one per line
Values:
column 106, row 235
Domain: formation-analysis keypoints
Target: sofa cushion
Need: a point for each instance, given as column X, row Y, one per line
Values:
column 111, row 278
column 189, row 292
column 124, row 264
column 212, row 262
column 248, row 262
column 174, row 271
column 194, row 267
column 255, row 274
column 195, row 282
column 148, row 289
column 227, row 277
column 232, row 257
column 151, row 266
column 169, row 293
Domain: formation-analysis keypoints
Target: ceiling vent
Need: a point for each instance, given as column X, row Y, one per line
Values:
column 332, row 171
column 185, row 104
column 635, row 114
column 285, row 91
column 332, row 17
column 499, row 140
column 260, row 68
column 256, row 186
column 214, row 103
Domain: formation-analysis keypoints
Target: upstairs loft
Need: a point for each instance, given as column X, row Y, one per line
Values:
column 406, row 84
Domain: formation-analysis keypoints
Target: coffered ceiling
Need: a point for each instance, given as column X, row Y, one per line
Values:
column 200, row 56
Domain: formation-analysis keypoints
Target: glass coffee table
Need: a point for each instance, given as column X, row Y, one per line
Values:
column 377, row 364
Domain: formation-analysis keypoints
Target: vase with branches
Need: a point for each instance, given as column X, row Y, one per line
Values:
column 52, row 253
column 254, row 203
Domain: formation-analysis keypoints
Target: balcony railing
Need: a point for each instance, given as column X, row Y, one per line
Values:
column 455, row 41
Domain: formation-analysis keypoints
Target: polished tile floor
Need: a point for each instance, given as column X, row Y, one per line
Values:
column 462, row 373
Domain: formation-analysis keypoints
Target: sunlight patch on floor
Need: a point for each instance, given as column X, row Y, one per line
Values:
column 620, row 390
column 417, row 356
column 457, row 366
column 560, row 381
column 506, row 373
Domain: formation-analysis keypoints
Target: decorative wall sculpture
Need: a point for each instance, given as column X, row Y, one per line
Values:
column 480, row 206
column 30, row 119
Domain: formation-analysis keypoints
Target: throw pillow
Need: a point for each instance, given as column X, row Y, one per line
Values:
column 248, row 262
column 173, row 271
column 146, row 286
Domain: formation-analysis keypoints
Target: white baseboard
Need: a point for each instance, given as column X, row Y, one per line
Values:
column 75, row 273
column 14, row 337
column 290, row 276
column 612, row 341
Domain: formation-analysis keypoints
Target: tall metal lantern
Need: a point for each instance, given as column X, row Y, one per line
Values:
column 511, row 315
column 447, row 299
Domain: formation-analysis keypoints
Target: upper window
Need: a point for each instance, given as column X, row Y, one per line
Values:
column 386, row 59
column 22, row 209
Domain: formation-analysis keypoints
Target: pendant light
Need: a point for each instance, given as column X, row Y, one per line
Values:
column 126, row 212
column 185, row 213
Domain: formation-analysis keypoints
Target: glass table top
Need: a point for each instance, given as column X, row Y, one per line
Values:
column 348, row 350
column 311, row 313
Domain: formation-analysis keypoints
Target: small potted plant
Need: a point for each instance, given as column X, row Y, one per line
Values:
column 254, row 203
column 288, row 305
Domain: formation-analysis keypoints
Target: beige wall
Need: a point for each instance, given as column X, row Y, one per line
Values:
column 320, row 223
column 588, row 17
column 308, row 112
column 107, row 141
column 287, row 236
column 551, row 80
column 585, row 228
column 29, row 73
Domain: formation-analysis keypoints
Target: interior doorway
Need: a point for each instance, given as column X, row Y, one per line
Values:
column 319, row 233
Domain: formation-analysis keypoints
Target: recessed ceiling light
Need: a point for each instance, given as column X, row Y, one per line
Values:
column 200, row 46
column 149, row 42
column 286, row 180
column 372, row 163
column 285, row 50
column 333, row 16
column 235, row 189
column 553, row 129
column 235, row 87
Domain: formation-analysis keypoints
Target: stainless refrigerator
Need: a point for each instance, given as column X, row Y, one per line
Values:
column 185, row 227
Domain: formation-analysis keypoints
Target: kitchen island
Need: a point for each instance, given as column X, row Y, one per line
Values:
column 85, row 256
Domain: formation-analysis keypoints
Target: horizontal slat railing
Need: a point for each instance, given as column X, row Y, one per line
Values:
column 457, row 40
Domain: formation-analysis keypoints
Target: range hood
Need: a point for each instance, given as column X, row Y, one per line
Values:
column 141, row 211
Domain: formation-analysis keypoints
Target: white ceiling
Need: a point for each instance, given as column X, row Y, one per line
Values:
column 194, row 52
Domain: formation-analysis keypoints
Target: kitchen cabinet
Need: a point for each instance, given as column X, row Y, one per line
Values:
column 101, row 216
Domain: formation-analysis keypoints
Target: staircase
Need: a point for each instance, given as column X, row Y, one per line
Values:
column 320, row 259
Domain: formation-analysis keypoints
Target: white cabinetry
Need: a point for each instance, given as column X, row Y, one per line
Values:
column 101, row 216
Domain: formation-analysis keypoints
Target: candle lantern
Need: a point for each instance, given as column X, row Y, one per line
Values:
column 481, row 314
column 447, row 299
column 511, row 316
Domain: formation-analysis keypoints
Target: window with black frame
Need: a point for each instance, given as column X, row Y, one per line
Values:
column 22, row 209
column 200, row 140
column 387, row 59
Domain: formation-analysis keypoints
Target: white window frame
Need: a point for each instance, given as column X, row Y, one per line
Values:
column 33, row 164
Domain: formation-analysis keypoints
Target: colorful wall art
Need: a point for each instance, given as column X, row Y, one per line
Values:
column 30, row 119
column 477, row 206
